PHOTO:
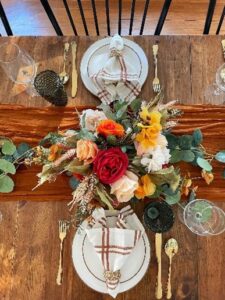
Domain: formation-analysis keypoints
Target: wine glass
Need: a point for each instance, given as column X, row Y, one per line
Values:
column 18, row 65
column 203, row 217
column 215, row 93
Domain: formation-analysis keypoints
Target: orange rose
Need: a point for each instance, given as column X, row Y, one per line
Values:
column 110, row 127
column 86, row 151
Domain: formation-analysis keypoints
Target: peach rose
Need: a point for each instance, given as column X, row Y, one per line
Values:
column 124, row 187
column 86, row 151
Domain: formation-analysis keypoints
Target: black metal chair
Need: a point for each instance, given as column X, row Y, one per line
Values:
column 221, row 21
column 5, row 21
column 59, row 32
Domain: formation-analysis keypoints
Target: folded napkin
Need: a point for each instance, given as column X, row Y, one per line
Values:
column 113, row 245
column 118, row 79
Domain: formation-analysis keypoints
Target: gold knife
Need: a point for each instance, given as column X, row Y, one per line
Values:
column 74, row 70
column 158, row 250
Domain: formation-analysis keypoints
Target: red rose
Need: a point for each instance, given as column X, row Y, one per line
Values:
column 110, row 165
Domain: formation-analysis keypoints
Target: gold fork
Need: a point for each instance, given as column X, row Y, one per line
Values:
column 63, row 227
column 155, row 83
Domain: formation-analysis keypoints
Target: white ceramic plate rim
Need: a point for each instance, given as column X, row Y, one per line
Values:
column 84, row 274
column 103, row 42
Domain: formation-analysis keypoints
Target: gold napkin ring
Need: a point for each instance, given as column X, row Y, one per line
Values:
column 112, row 276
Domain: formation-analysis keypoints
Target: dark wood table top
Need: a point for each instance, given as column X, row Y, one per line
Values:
column 29, row 244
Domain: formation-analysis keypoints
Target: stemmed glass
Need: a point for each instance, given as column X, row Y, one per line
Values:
column 215, row 93
column 18, row 65
column 203, row 217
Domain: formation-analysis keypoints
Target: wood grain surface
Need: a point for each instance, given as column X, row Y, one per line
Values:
column 29, row 244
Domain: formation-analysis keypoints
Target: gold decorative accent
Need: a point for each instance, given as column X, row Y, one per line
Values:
column 156, row 83
column 158, row 250
column 63, row 228
column 223, row 46
column 74, row 70
column 171, row 248
column 112, row 276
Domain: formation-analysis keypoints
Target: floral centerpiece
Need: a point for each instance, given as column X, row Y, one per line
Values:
column 122, row 152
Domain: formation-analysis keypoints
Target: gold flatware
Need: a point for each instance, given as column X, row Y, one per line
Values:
column 64, row 76
column 63, row 228
column 74, row 71
column 158, row 250
column 171, row 248
column 156, row 83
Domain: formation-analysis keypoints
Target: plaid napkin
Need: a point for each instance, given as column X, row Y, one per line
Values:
column 113, row 245
column 118, row 79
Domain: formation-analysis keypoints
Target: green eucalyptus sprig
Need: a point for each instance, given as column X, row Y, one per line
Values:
column 9, row 157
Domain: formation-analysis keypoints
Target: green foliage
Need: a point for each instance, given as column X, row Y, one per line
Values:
column 204, row 164
column 185, row 142
column 7, row 167
column 135, row 105
column 22, row 148
column 167, row 176
column 6, row 184
column 107, row 111
column 197, row 137
column 186, row 148
column 8, row 148
column 73, row 182
column 220, row 156
column 51, row 138
column 75, row 166
column 84, row 134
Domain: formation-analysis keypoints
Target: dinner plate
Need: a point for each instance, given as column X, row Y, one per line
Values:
column 90, row 269
column 98, row 53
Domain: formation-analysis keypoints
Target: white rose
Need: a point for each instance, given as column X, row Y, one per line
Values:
column 155, row 159
column 124, row 187
column 90, row 119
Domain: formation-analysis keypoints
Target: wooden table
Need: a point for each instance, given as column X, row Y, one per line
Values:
column 29, row 245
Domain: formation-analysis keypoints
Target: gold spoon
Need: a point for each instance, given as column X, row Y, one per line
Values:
column 63, row 75
column 171, row 248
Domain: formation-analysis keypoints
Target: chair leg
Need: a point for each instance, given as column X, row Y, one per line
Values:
column 51, row 17
column 208, row 21
column 5, row 20
column 221, row 21
column 162, row 17
column 70, row 16
column 144, row 16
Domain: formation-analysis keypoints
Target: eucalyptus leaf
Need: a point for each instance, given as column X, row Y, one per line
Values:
column 173, row 141
column 8, row 148
column 22, row 148
column 7, row 167
column 73, row 182
column 220, row 156
column 187, row 155
column 204, row 164
column 6, row 184
column 135, row 105
column 197, row 137
column 185, row 142
column 176, row 156
column 84, row 134
column 173, row 199
column 107, row 111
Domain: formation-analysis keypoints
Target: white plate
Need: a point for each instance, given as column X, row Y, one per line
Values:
column 89, row 267
column 97, row 54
